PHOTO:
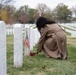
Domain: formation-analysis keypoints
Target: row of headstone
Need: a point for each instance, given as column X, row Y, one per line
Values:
column 70, row 28
column 30, row 30
column 9, row 29
column 73, row 33
column 33, row 36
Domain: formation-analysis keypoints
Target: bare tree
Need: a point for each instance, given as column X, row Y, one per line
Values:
column 42, row 8
column 2, row 2
column 5, row 2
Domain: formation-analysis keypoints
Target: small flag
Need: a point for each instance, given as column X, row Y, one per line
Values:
column 26, row 42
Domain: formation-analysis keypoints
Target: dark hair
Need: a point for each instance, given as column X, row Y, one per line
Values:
column 42, row 21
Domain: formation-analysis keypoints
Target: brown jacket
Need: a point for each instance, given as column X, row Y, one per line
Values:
column 53, row 42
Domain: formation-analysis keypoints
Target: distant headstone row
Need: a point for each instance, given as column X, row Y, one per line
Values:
column 70, row 28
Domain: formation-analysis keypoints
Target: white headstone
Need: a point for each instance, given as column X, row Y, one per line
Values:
column 31, row 38
column 3, row 66
column 36, row 35
column 26, row 51
column 8, row 32
column 73, row 34
column 18, row 45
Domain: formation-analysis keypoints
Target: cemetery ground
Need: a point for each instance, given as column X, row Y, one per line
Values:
column 39, row 64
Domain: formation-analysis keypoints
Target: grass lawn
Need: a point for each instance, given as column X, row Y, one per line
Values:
column 40, row 65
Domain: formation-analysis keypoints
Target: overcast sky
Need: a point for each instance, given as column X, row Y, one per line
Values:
column 50, row 3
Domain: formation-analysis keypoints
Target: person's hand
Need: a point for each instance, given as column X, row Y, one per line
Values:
column 32, row 54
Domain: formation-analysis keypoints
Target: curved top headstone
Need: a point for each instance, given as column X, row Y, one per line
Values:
column 3, row 66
